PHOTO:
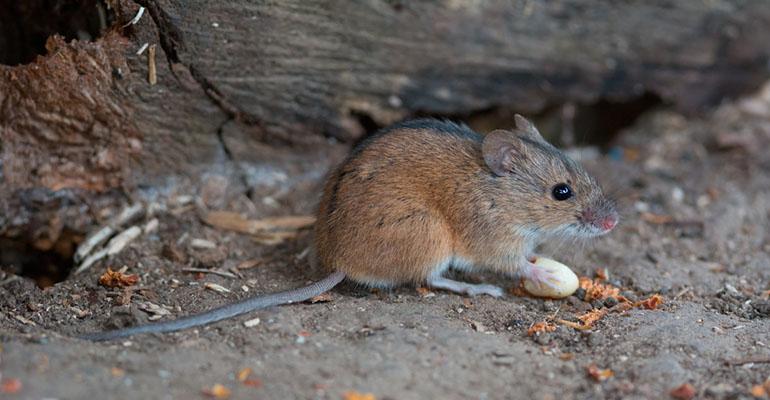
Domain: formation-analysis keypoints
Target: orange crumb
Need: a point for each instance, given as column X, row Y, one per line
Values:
column 684, row 392
column 599, row 374
column 243, row 374
column 11, row 386
column 217, row 391
column 758, row 391
column 651, row 303
column 353, row 395
column 539, row 327
column 113, row 279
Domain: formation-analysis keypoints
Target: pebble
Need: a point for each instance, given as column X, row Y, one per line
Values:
column 549, row 306
column 596, row 339
column 762, row 307
column 720, row 390
column 629, row 295
column 580, row 293
column 610, row 302
column 597, row 304
column 543, row 339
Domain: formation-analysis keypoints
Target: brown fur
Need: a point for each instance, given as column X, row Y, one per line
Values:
column 411, row 199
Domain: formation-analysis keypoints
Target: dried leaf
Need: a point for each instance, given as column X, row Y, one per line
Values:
column 599, row 375
column 273, row 238
column 684, row 392
column 216, row 287
column 425, row 292
column 11, row 386
column 567, row 356
column 651, row 303
column 112, row 279
column 540, row 327
column 217, row 391
column 247, row 264
column 656, row 219
column 157, row 311
column 321, row 298
column 589, row 318
column 353, row 395
column 236, row 222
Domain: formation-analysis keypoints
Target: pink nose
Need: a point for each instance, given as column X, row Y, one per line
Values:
column 608, row 223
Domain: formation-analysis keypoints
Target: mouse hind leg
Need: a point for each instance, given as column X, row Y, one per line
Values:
column 471, row 289
column 436, row 280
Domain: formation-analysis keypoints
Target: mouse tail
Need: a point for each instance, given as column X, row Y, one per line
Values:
column 226, row 311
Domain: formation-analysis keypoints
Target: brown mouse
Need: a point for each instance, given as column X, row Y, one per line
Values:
column 424, row 196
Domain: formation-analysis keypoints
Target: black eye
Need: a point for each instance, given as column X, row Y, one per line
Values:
column 562, row 192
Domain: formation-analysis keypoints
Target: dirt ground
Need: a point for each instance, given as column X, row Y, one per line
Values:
column 695, row 195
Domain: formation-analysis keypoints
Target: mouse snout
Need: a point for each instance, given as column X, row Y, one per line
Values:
column 604, row 220
column 608, row 222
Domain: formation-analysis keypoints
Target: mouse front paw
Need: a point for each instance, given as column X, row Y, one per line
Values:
column 540, row 277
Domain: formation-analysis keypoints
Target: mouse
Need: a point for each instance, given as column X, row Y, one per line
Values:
column 421, row 197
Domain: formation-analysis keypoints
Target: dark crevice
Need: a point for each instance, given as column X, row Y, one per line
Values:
column 242, row 175
column 570, row 124
column 25, row 26
column 172, row 41
column 43, row 261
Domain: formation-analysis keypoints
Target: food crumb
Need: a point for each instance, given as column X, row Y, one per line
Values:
column 685, row 391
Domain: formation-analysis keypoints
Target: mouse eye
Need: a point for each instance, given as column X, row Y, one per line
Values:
column 562, row 192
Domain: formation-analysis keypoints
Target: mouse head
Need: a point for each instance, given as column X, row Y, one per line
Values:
column 548, row 190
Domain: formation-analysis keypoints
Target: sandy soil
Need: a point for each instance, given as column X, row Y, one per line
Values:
column 696, row 199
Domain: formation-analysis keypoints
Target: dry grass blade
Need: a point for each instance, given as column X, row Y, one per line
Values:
column 235, row 222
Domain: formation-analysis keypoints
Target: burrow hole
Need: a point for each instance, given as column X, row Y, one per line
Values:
column 44, row 261
column 26, row 25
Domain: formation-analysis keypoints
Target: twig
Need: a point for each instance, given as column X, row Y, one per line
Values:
column 749, row 360
column 101, row 236
column 152, row 73
column 115, row 246
column 210, row 271
column 136, row 18
column 9, row 280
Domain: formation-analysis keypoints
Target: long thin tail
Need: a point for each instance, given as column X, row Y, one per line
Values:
column 227, row 311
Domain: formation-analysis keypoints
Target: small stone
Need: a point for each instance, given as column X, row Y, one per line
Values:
column 580, row 293
column 610, row 302
column 762, row 307
column 202, row 244
column 597, row 304
column 721, row 390
column 549, row 306
column 543, row 339
column 629, row 295
column 517, row 323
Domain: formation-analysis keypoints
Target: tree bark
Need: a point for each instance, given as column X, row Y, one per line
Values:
column 236, row 75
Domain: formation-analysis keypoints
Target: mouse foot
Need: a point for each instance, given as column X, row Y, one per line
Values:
column 471, row 289
column 540, row 276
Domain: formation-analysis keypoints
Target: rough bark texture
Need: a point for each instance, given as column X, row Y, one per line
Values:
column 84, row 118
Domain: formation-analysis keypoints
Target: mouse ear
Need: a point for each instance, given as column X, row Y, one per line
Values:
column 526, row 127
column 500, row 150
